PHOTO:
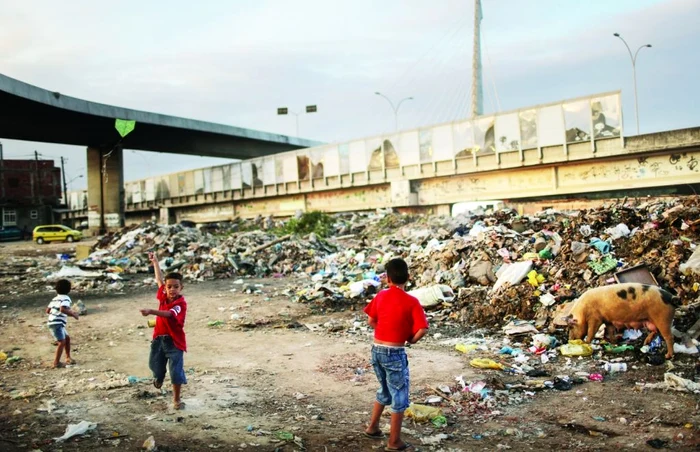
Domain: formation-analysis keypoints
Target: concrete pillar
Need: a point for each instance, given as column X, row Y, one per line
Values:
column 443, row 209
column 105, row 168
column 401, row 195
column 164, row 216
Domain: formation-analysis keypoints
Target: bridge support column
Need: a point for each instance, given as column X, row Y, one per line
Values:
column 165, row 217
column 443, row 209
column 105, row 168
column 402, row 194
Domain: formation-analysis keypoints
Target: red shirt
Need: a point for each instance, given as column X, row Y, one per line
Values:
column 399, row 315
column 171, row 326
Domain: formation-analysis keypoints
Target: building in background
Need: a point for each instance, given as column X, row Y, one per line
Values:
column 30, row 190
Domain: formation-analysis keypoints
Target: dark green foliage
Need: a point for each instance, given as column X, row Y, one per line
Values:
column 316, row 221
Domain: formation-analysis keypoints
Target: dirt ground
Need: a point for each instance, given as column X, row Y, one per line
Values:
column 268, row 379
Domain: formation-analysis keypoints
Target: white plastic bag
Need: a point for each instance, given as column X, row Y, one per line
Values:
column 619, row 231
column 358, row 288
column 433, row 295
column 513, row 274
column 693, row 264
column 76, row 429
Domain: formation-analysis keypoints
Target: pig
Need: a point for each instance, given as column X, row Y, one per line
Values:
column 624, row 304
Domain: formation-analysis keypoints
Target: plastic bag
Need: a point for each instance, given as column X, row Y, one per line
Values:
column 433, row 295
column 466, row 348
column 604, row 265
column 150, row 444
column 513, row 273
column 693, row 264
column 579, row 251
column 485, row 363
column 422, row 413
column 534, row 278
column 619, row 349
column 576, row 348
column 547, row 299
column 358, row 288
column 439, row 421
column 544, row 341
column 76, row 429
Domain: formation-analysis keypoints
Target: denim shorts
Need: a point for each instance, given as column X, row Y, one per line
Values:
column 58, row 332
column 164, row 353
column 391, row 367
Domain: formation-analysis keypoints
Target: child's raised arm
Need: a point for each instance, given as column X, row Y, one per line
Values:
column 156, row 268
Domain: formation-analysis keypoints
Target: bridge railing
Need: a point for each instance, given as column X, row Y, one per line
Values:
column 572, row 129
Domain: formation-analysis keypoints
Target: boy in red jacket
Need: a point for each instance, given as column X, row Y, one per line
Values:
column 397, row 318
column 169, row 343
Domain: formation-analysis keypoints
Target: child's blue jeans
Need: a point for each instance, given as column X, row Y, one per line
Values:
column 164, row 352
column 391, row 367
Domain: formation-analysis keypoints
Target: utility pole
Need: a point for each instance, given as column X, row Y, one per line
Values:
column 477, row 89
column 2, row 174
column 65, row 189
column 35, row 179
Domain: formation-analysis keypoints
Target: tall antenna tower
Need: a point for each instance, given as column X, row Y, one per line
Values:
column 477, row 89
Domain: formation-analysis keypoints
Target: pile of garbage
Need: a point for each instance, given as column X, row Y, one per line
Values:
column 475, row 269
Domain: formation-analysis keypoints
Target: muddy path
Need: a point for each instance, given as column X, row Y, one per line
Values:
column 269, row 374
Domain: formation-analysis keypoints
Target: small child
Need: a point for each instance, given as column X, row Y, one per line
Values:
column 169, row 344
column 397, row 318
column 58, row 311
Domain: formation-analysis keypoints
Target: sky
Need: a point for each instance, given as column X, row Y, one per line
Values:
column 236, row 61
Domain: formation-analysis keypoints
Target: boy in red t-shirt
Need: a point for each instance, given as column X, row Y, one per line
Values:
column 168, row 345
column 397, row 318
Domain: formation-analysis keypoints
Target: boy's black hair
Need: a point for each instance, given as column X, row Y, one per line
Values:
column 397, row 271
column 62, row 287
column 173, row 275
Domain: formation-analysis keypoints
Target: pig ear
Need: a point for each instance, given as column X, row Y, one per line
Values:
column 570, row 320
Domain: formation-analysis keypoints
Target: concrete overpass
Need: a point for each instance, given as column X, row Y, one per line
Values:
column 34, row 114
column 568, row 148
column 659, row 163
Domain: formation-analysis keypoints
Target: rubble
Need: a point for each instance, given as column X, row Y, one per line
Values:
column 489, row 269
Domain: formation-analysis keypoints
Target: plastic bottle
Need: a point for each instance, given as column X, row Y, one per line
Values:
column 615, row 367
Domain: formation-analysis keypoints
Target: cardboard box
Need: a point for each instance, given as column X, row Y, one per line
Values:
column 82, row 251
column 638, row 274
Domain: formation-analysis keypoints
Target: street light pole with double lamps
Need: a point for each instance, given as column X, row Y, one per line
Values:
column 286, row 111
column 396, row 108
column 634, row 74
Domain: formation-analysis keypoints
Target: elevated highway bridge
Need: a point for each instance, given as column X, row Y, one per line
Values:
column 31, row 113
column 570, row 148
column 659, row 163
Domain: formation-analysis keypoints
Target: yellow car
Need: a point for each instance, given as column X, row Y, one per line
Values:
column 55, row 232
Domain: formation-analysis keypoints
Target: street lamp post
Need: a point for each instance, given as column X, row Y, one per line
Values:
column 634, row 74
column 76, row 177
column 396, row 108
column 286, row 111
column 66, row 185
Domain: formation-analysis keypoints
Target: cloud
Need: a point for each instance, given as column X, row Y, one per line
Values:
column 236, row 62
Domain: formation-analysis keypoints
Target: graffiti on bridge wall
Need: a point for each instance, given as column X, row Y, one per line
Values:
column 642, row 168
